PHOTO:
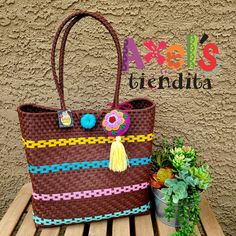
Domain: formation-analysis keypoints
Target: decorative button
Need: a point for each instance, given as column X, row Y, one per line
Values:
column 116, row 122
column 88, row 121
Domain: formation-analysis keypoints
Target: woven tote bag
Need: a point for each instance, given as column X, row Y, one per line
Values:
column 69, row 166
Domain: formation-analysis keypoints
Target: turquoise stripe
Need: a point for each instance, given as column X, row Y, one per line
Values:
column 44, row 221
column 82, row 165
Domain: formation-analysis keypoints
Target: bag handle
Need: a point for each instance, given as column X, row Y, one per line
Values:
column 62, row 52
column 72, row 19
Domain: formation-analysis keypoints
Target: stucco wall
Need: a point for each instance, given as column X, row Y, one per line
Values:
column 206, row 118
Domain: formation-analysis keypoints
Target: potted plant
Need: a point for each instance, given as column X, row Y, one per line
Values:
column 177, row 180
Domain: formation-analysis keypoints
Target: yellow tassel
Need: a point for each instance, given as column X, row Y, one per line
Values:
column 118, row 156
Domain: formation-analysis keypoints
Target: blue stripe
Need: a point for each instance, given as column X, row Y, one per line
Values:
column 44, row 221
column 82, row 165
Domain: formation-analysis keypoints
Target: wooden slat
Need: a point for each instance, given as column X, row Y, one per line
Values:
column 208, row 219
column 121, row 227
column 198, row 232
column 164, row 230
column 74, row 230
column 98, row 228
column 143, row 225
column 50, row 231
column 15, row 210
column 27, row 227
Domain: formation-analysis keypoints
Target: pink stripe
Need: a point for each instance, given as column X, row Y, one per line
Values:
column 90, row 193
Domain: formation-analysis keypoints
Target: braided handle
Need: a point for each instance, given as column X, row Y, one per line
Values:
column 71, row 20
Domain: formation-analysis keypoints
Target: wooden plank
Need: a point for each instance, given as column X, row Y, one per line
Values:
column 74, row 230
column 208, row 219
column 198, row 232
column 121, row 227
column 143, row 225
column 98, row 228
column 27, row 227
column 164, row 230
column 54, row 231
column 15, row 210
column 167, row 230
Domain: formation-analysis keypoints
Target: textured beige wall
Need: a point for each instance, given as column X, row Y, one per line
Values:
column 206, row 118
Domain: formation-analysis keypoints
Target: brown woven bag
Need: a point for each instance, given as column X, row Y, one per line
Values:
column 69, row 166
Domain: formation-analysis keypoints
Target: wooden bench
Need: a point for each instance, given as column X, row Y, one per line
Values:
column 18, row 221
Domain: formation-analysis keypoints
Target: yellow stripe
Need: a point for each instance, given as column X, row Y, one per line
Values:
column 84, row 140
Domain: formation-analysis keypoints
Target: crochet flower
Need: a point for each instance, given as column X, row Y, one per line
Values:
column 88, row 121
column 116, row 122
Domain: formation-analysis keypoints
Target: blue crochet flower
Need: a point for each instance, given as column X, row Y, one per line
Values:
column 88, row 121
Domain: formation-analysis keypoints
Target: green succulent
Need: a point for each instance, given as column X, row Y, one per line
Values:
column 201, row 175
column 195, row 176
column 179, row 160
column 160, row 157
column 186, row 176
column 178, row 142
column 176, row 190
column 183, row 157
column 189, row 152
column 177, row 151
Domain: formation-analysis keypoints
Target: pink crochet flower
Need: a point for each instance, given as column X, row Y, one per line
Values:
column 116, row 122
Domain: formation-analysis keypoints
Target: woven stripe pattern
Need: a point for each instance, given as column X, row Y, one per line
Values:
column 133, row 211
column 90, row 193
column 83, row 140
column 82, row 165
